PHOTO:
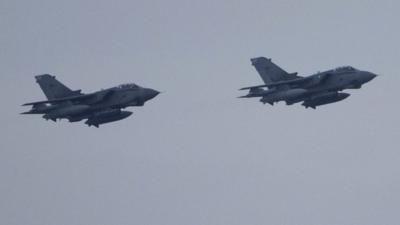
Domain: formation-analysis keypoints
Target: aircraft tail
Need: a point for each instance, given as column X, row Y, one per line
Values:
column 54, row 89
column 270, row 72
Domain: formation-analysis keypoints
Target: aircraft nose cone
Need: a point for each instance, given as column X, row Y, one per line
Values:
column 369, row 76
column 151, row 93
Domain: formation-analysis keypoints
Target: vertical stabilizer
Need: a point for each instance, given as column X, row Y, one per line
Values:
column 270, row 72
column 52, row 88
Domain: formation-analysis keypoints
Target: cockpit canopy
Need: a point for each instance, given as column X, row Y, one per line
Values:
column 128, row 86
column 345, row 69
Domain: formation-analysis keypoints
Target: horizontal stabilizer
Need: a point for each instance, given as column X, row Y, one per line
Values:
column 253, row 87
column 78, row 97
column 99, row 96
column 27, row 113
column 294, row 81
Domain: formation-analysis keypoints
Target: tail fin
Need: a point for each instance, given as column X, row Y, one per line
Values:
column 270, row 72
column 54, row 89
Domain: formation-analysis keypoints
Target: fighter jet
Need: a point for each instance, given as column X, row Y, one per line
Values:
column 96, row 108
column 315, row 90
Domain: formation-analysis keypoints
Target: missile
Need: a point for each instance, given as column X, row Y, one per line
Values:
column 324, row 99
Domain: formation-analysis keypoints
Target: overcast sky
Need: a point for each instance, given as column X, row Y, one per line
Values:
column 196, row 154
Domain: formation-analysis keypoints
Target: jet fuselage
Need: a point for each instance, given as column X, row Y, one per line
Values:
column 318, row 89
column 99, row 107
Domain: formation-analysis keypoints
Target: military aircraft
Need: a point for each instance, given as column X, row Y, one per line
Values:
column 97, row 108
column 315, row 90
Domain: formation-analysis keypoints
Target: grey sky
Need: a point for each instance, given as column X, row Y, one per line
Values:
column 196, row 154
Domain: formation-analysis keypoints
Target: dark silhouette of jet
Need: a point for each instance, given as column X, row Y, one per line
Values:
column 315, row 90
column 97, row 108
